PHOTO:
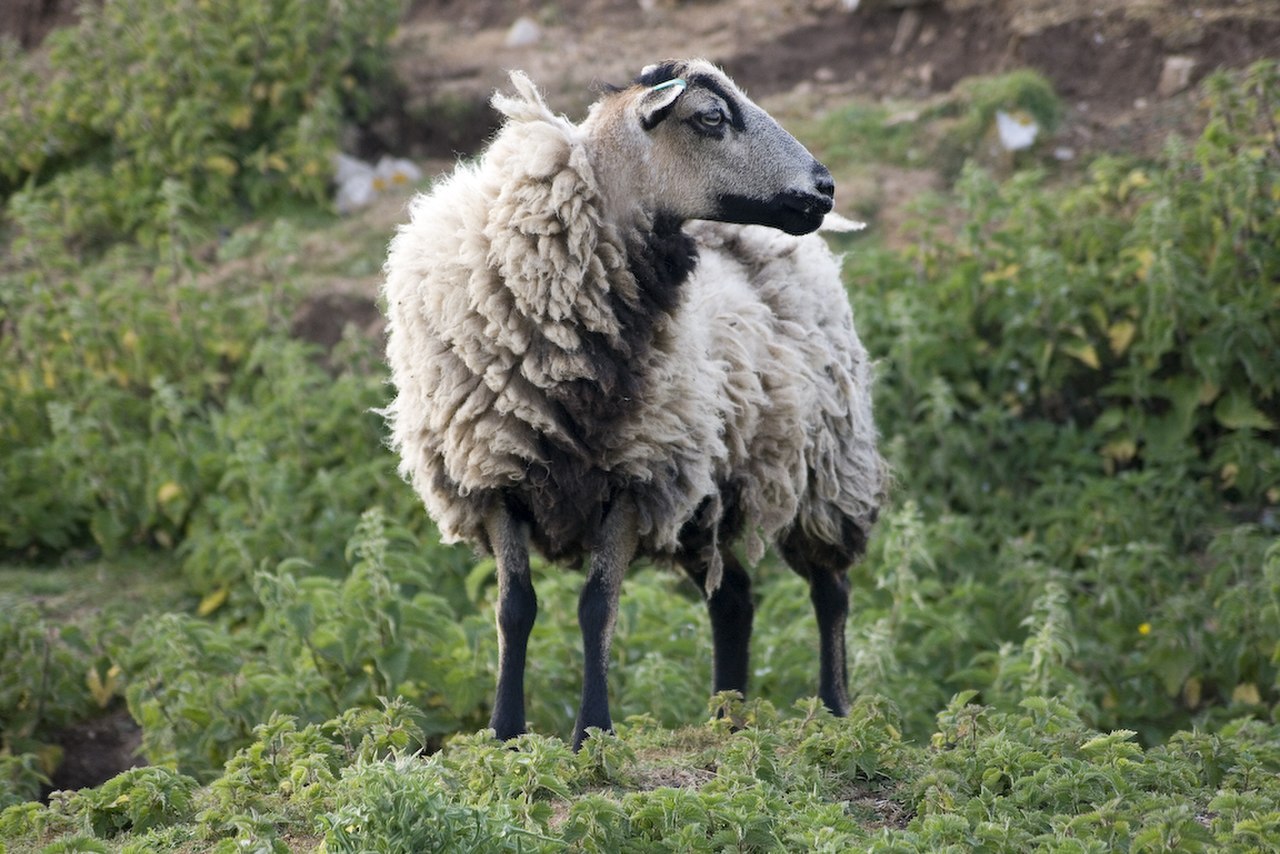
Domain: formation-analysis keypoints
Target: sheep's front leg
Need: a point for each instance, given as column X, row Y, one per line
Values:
column 517, row 609
column 598, row 612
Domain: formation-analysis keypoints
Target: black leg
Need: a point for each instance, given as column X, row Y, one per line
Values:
column 732, row 613
column 826, row 568
column 598, row 612
column 517, row 609
column 829, row 592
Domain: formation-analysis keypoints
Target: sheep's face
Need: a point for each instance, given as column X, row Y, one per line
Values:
column 703, row 150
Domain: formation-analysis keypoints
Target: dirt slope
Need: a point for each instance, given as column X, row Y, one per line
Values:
column 1105, row 57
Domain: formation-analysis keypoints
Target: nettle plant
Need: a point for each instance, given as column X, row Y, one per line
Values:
column 319, row 646
column 221, row 103
column 1079, row 390
column 1137, row 305
column 121, row 358
column 170, row 408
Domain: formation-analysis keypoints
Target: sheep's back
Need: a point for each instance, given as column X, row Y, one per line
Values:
column 805, row 452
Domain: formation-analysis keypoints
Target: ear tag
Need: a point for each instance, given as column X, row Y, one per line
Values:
column 658, row 101
column 674, row 83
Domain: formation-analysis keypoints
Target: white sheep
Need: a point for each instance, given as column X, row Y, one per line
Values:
column 582, row 367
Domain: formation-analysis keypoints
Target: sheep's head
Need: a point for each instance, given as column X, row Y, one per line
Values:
column 687, row 142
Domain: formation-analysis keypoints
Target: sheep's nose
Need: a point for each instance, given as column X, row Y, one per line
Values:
column 822, row 181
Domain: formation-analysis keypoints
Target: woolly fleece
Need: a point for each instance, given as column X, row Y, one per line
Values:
column 748, row 398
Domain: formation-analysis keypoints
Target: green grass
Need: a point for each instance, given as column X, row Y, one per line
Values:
column 140, row 582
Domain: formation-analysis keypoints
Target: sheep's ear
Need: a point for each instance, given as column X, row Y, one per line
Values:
column 657, row 101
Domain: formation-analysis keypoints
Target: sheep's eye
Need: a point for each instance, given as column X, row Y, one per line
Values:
column 711, row 118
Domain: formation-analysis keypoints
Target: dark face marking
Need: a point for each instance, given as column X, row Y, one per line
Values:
column 792, row 212
column 729, row 110
column 712, row 85
column 660, row 73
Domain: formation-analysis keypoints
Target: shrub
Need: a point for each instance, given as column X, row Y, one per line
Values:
column 135, row 800
column 219, row 103
column 320, row 646
column 54, row 673
column 142, row 409
column 1074, row 393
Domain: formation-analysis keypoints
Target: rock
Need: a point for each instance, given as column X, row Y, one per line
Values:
column 523, row 33
column 1176, row 75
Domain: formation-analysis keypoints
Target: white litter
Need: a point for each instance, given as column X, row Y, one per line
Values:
column 524, row 32
column 1017, row 130
column 359, row 183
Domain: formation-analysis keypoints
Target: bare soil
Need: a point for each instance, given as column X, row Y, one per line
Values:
column 1104, row 57
column 96, row 750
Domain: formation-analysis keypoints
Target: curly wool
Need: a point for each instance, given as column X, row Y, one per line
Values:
column 544, row 359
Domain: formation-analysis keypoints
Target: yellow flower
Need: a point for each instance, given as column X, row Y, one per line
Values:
column 1144, row 629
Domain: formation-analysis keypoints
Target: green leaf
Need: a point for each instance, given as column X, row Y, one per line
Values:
column 1236, row 411
column 394, row 665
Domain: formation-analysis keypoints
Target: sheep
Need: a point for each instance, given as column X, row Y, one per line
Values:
column 622, row 339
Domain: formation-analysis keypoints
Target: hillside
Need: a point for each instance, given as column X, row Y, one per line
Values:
column 226, row 624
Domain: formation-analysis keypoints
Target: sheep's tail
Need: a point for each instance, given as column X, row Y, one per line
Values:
column 527, row 104
column 713, row 512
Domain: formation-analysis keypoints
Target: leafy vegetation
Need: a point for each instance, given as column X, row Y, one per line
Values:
column 148, row 105
column 1034, row 777
column 1066, row 634
column 1079, row 396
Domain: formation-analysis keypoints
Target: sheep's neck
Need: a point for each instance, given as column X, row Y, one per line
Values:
column 566, row 493
column 660, row 258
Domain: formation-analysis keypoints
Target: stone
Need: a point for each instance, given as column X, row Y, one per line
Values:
column 1175, row 76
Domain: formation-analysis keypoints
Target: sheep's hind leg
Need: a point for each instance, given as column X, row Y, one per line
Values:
column 517, row 609
column 732, row 614
column 598, row 612
column 826, row 567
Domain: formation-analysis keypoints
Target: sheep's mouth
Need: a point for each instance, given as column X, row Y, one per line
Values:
column 801, row 213
column 792, row 211
column 808, row 206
